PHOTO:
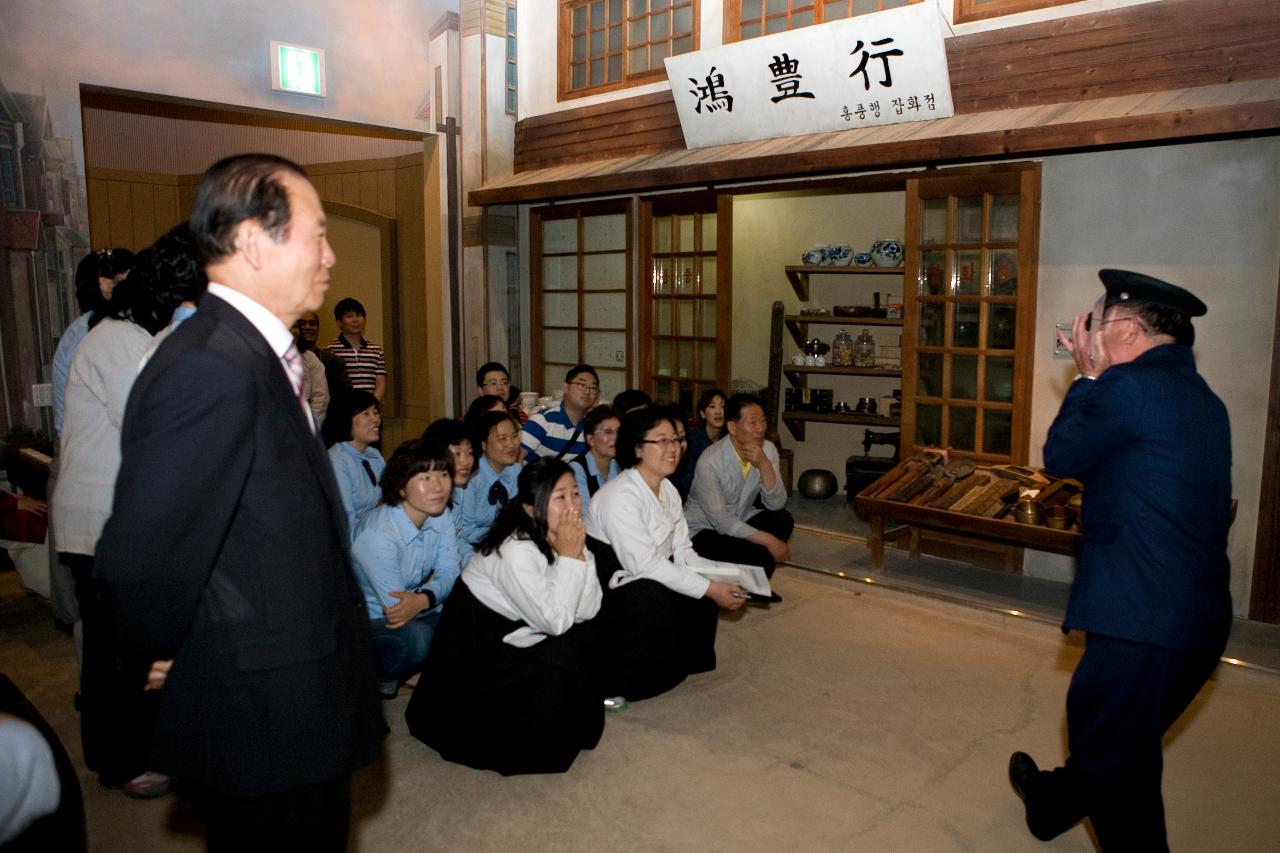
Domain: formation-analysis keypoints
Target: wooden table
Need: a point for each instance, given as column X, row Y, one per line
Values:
column 1003, row 530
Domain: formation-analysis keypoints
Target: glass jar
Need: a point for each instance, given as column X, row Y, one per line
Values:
column 864, row 350
column 842, row 349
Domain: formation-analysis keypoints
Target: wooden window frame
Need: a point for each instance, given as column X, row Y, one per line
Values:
column 1024, row 181
column 732, row 28
column 564, row 46
column 695, row 203
column 537, row 217
column 972, row 10
column 510, row 81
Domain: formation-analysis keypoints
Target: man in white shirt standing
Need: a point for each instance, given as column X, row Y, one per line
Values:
column 736, row 509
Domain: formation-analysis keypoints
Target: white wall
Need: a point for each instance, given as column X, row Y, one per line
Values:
column 1204, row 216
column 536, row 34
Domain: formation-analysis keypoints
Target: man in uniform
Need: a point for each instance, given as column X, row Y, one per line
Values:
column 1150, row 442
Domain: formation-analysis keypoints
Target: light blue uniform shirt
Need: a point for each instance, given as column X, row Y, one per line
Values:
column 594, row 469
column 476, row 511
column 391, row 555
column 358, row 494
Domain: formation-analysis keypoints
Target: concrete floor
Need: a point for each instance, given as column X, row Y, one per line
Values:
column 850, row 717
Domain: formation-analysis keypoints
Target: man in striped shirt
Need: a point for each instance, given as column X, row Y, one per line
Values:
column 366, row 369
column 557, row 432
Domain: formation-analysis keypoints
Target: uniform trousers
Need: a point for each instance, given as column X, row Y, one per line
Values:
column 1123, row 697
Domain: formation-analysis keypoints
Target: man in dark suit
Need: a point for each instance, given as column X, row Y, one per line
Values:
column 269, row 698
column 1151, row 443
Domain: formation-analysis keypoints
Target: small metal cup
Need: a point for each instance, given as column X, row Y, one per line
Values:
column 1028, row 511
column 1059, row 517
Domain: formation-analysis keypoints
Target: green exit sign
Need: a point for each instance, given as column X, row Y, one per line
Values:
column 297, row 68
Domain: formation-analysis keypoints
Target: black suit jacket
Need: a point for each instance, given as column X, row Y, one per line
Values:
column 227, row 552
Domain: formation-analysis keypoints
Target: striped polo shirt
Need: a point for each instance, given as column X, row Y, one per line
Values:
column 364, row 365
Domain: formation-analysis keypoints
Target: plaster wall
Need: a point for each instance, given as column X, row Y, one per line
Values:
column 536, row 34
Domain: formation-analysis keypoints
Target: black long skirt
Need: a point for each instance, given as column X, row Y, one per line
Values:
column 653, row 637
column 493, row 706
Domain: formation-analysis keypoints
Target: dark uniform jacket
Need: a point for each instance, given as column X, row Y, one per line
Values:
column 1152, row 445
column 227, row 552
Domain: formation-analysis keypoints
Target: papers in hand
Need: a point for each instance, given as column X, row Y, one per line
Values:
column 751, row 578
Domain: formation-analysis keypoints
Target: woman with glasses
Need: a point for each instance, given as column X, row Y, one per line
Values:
column 659, row 615
column 598, row 465
column 494, row 483
column 351, row 428
column 511, row 681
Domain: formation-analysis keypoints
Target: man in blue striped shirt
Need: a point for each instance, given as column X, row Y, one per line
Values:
column 557, row 432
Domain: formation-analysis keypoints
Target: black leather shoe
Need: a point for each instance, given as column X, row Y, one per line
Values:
column 1023, row 773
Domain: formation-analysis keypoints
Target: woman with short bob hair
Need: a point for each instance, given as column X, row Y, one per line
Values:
column 708, row 429
column 406, row 558
column 352, row 427
column 659, row 615
column 511, row 681
column 497, row 434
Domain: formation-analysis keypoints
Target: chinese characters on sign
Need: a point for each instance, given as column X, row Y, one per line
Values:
column 882, row 68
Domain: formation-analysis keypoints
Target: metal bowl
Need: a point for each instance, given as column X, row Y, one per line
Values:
column 1028, row 511
column 817, row 483
column 1059, row 517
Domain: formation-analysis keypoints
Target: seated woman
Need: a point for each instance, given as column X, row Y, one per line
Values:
column 406, row 558
column 510, row 683
column 709, row 429
column 454, row 435
column 659, row 615
column 494, row 482
column 352, row 425
column 597, row 466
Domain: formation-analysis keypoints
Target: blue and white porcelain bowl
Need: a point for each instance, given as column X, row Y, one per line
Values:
column 862, row 259
column 815, row 256
column 887, row 253
column 840, row 255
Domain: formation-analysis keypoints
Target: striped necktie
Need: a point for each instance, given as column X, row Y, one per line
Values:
column 293, row 366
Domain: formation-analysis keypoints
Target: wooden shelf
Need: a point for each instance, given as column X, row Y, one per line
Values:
column 794, row 372
column 795, row 421
column 797, row 324
column 799, row 275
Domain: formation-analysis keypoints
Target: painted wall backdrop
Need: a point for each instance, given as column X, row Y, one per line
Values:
column 378, row 73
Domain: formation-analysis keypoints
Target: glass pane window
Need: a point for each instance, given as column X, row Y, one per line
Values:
column 582, row 288
column 628, row 40
column 965, row 388
column 776, row 16
column 683, row 314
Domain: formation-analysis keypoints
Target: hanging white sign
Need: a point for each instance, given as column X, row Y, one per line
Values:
column 881, row 68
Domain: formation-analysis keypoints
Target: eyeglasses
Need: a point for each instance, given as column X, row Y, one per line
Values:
column 665, row 443
column 590, row 389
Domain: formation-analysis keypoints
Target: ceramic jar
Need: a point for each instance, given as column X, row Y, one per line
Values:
column 840, row 255
column 815, row 256
column 887, row 253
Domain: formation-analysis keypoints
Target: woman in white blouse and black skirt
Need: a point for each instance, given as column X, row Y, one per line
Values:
column 659, row 615
column 511, row 682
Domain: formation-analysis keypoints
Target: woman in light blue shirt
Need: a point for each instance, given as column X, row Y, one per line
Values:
column 598, row 465
column 406, row 558
column 494, row 482
column 352, row 426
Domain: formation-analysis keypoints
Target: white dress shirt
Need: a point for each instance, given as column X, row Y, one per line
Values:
column 648, row 533
column 517, row 582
